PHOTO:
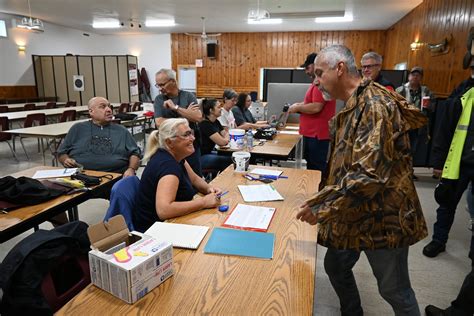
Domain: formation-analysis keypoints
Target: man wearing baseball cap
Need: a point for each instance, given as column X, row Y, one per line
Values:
column 420, row 96
column 315, row 113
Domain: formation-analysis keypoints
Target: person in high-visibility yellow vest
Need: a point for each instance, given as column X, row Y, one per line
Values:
column 453, row 159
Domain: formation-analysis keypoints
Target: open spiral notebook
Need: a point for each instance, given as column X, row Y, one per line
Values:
column 179, row 235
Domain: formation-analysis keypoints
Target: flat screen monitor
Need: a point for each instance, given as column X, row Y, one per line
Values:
column 3, row 29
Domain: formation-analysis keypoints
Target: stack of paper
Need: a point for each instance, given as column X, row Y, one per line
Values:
column 54, row 173
column 179, row 235
column 259, row 193
column 250, row 217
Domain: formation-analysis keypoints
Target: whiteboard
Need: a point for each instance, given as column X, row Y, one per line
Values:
column 187, row 79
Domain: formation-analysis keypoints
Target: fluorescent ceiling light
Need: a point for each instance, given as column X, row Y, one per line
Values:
column 106, row 24
column 265, row 21
column 334, row 19
column 158, row 23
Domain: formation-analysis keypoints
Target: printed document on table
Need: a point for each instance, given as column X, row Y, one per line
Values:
column 289, row 132
column 292, row 127
column 250, row 217
column 54, row 173
column 259, row 193
column 266, row 172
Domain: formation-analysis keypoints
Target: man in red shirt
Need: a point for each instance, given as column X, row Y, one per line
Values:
column 315, row 113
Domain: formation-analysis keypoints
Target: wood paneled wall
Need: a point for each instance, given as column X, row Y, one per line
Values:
column 241, row 55
column 18, row 92
column 431, row 22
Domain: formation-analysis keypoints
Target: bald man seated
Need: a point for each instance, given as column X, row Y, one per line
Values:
column 99, row 145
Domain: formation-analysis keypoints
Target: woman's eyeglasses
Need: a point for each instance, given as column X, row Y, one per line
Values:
column 187, row 134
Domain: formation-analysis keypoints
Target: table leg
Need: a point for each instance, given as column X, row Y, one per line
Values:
column 299, row 153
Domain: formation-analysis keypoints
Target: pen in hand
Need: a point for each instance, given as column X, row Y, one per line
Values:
column 222, row 194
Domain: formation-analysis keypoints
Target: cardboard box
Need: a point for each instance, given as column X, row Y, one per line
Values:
column 127, row 264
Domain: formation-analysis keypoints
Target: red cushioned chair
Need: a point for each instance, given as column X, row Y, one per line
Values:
column 70, row 103
column 124, row 107
column 30, row 107
column 69, row 115
column 65, row 279
column 136, row 106
column 5, row 137
column 31, row 120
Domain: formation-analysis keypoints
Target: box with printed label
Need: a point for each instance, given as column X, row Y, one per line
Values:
column 127, row 265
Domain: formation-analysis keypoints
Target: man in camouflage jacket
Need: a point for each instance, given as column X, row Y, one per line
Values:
column 369, row 202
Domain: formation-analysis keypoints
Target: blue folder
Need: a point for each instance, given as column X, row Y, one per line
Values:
column 241, row 243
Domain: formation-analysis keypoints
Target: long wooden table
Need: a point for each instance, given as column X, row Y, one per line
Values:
column 21, row 115
column 39, row 105
column 22, row 219
column 279, row 148
column 205, row 284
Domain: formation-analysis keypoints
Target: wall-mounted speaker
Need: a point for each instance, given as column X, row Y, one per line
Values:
column 211, row 50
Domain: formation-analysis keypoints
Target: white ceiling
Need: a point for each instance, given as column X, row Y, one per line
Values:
column 221, row 15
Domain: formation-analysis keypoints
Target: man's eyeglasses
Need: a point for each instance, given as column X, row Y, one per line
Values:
column 370, row 66
column 187, row 134
column 161, row 85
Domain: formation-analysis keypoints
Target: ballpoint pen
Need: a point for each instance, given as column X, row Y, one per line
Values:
column 222, row 194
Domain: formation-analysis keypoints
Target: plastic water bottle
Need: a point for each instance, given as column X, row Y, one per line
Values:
column 249, row 137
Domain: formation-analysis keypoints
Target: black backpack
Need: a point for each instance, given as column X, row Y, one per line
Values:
column 23, row 270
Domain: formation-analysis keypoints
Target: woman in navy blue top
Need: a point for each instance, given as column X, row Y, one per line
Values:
column 168, row 184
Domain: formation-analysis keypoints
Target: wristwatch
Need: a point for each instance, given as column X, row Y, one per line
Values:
column 176, row 107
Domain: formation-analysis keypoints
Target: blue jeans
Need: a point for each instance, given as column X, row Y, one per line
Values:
column 215, row 162
column 195, row 162
column 390, row 267
column 315, row 153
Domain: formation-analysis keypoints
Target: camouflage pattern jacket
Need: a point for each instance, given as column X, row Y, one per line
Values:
column 369, row 199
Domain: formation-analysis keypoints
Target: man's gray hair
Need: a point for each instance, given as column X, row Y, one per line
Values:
column 372, row 55
column 171, row 74
column 157, row 138
column 337, row 53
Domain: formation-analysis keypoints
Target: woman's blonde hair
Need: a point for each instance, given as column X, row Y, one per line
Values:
column 157, row 138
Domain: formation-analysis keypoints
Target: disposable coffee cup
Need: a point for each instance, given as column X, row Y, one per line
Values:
column 425, row 102
column 241, row 160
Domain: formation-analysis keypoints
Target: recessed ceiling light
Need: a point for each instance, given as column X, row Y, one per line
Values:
column 106, row 24
column 334, row 19
column 159, row 23
column 265, row 21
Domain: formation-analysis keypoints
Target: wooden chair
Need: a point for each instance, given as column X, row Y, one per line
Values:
column 30, row 107
column 124, row 107
column 136, row 106
column 5, row 137
column 31, row 120
column 70, row 103
column 50, row 105
column 3, row 108
column 68, row 115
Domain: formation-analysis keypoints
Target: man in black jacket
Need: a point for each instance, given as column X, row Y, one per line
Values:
column 450, row 115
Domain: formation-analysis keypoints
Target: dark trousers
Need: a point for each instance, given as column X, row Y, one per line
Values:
column 445, row 213
column 315, row 153
column 214, row 161
column 463, row 305
column 195, row 161
column 390, row 267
